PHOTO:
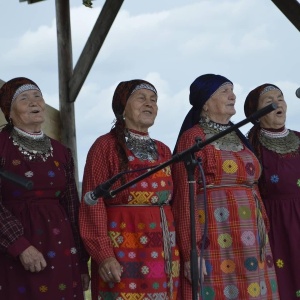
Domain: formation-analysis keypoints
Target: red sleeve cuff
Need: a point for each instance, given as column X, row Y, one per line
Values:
column 18, row 246
column 104, row 255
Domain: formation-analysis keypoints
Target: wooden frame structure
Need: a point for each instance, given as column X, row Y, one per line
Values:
column 71, row 80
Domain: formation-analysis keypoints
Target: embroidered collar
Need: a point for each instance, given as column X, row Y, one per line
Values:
column 34, row 147
column 141, row 145
column 283, row 142
column 229, row 142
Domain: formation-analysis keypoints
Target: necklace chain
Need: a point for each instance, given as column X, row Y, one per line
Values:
column 142, row 146
column 230, row 142
column 283, row 142
column 32, row 146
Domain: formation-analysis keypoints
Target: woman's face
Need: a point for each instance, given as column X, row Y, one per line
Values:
column 220, row 106
column 141, row 110
column 276, row 118
column 28, row 111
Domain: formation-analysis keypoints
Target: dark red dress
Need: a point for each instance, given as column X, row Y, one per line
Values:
column 280, row 190
column 44, row 217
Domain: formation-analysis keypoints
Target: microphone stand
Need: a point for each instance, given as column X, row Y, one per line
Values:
column 188, row 157
column 27, row 184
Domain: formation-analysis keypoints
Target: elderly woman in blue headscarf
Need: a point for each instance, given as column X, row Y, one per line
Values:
column 231, row 224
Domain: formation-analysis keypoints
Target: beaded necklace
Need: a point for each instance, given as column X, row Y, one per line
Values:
column 283, row 142
column 142, row 146
column 34, row 146
column 229, row 142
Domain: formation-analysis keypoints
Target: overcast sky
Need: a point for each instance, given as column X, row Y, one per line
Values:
column 168, row 43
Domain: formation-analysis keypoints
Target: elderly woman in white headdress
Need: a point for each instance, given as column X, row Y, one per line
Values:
column 41, row 254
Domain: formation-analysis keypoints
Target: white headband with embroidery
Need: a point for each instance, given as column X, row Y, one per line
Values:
column 144, row 86
column 23, row 88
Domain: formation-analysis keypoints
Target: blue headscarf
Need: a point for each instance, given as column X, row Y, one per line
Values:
column 201, row 90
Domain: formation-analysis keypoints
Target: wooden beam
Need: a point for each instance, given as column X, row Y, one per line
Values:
column 291, row 9
column 65, row 69
column 31, row 1
column 93, row 45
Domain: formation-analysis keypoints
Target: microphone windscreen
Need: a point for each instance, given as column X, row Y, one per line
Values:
column 298, row 92
column 89, row 199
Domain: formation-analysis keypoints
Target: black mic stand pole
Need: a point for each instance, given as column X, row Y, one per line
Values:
column 195, row 148
column 27, row 184
column 190, row 165
column 189, row 153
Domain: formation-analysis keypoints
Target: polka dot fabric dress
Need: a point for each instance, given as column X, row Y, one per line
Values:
column 232, row 252
column 41, row 213
column 280, row 190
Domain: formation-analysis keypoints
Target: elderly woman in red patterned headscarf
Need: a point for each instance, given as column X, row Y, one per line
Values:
column 41, row 255
column 131, row 237
column 278, row 150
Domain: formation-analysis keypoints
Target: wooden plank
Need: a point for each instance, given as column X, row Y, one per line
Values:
column 65, row 70
column 93, row 45
column 52, row 124
column 291, row 9
column 31, row 1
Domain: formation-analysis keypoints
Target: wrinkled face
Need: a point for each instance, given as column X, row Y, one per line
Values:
column 276, row 118
column 28, row 111
column 141, row 110
column 220, row 106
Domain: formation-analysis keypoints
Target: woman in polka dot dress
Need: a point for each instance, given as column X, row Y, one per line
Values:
column 41, row 254
column 278, row 150
column 237, row 261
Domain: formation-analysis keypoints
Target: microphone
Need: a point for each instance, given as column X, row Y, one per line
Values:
column 102, row 190
column 27, row 184
column 298, row 92
column 263, row 111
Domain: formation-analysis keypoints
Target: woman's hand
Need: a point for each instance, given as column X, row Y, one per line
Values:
column 110, row 270
column 32, row 260
column 187, row 270
column 85, row 280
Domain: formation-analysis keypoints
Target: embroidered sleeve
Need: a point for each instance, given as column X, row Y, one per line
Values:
column 181, row 202
column 101, row 160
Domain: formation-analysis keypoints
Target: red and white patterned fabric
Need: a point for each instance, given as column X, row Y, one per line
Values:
column 128, row 226
column 232, row 254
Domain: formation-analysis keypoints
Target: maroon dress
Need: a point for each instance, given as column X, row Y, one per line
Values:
column 44, row 217
column 280, row 190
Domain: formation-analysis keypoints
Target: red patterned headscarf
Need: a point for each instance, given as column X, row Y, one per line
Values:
column 11, row 90
column 251, row 102
column 123, row 92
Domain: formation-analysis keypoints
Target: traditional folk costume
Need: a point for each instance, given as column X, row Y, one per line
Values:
column 136, row 226
column 44, row 217
column 279, row 153
column 237, row 254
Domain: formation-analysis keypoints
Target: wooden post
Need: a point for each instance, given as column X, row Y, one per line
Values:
column 93, row 45
column 65, row 70
column 291, row 9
